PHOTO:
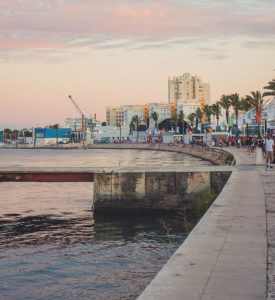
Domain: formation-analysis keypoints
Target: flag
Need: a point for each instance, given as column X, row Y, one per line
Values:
column 258, row 117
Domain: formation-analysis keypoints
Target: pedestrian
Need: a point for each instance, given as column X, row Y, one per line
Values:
column 269, row 147
column 259, row 152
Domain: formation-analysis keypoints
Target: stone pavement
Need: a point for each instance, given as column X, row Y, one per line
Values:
column 268, row 180
column 230, row 253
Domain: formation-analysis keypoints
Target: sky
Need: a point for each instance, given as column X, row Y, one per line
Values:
column 119, row 52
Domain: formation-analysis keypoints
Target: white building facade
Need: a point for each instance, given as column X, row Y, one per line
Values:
column 188, row 106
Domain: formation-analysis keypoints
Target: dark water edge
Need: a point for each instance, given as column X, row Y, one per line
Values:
column 58, row 257
column 68, row 254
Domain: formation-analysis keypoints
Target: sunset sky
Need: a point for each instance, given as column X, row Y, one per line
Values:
column 113, row 52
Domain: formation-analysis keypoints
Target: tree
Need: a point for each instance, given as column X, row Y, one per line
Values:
column 174, row 119
column 198, row 116
column 136, row 121
column 191, row 118
column 271, row 87
column 256, row 102
column 236, row 103
column 208, row 112
column 245, row 105
column 216, row 110
column 154, row 116
column 181, row 117
column 7, row 134
column 226, row 104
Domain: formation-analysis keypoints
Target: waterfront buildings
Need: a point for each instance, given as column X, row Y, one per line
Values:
column 135, row 110
column 270, row 112
column 122, row 115
column 186, row 93
column 188, row 88
column 114, row 115
column 52, row 135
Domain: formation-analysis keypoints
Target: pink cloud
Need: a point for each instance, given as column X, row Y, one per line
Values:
column 56, row 24
column 28, row 44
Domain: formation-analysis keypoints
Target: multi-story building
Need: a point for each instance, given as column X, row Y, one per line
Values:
column 186, row 93
column 164, row 111
column 270, row 109
column 119, row 115
column 188, row 88
column 188, row 106
column 115, row 115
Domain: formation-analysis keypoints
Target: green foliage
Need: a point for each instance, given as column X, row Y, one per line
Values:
column 191, row 118
column 236, row 103
column 216, row 110
column 229, row 160
column 254, row 101
column 203, row 202
column 154, row 116
column 271, row 87
column 208, row 112
column 226, row 104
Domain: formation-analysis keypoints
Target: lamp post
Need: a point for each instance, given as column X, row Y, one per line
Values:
column 120, row 132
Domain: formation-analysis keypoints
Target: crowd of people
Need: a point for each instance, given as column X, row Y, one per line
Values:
column 263, row 147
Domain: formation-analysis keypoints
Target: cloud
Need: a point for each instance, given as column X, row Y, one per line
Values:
column 259, row 43
column 117, row 24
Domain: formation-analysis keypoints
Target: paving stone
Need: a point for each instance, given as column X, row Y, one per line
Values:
column 238, row 232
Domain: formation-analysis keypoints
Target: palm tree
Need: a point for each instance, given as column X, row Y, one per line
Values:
column 256, row 102
column 198, row 116
column 271, row 86
column 216, row 110
column 136, row 121
column 236, row 103
column 245, row 105
column 226, row 104
column 208, row 113
column 154, row 116
column 191, row 118
column 174, row 119
column 181, row 117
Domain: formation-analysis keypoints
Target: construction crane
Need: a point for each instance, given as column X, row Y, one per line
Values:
column 82, row 116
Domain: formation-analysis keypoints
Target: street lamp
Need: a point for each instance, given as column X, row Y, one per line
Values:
column 120, row 132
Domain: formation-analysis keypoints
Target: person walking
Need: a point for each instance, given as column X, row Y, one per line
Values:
column 269, row 147
column 259, row 152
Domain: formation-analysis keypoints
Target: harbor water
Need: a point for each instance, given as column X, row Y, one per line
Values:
column 52, row 246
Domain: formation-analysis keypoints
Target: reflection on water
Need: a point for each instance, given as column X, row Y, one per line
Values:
column 52, row 247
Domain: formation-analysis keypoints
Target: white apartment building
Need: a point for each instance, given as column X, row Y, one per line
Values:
column 164, row 111
column 270, row 109
column 188, row 106
column 188, row 88
column 135, row 110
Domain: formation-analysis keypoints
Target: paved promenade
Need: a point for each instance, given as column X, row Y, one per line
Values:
column 230, row 253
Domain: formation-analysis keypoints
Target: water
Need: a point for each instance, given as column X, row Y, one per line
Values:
column 53, row 247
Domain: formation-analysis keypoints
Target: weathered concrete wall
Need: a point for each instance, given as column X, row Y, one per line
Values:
column 217, row 156
column 153, row 190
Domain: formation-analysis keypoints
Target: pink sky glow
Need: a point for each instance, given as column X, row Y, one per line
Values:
column 113, row 52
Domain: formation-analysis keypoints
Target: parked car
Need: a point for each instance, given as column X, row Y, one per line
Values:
column 102, row 140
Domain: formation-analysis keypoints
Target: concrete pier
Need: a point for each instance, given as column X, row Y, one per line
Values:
column 161, row 190
column 225, row 256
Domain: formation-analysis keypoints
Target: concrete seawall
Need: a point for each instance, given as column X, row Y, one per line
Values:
column 136, row 191
column 216, row 156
